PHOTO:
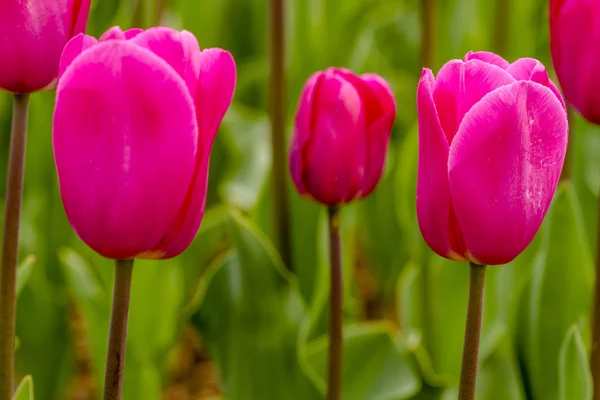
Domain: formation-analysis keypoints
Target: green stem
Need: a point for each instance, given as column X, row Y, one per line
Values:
column 10, row 244
column 428, row 32
column 501, row 28
column 278, row 106
column 115, row 359
column 468, row 372
column 334, row 388
column 595, row 356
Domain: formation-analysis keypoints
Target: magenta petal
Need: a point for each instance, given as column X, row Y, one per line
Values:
column 302, row 129
column 179, row 49
column 216, row 85
column 504, row 166
column 125, row 139
column 379, row 129
column 460, row 85
column 433, row 193
column 116, row 33
column 488, row 57
column 530, row 69
column 75, row 47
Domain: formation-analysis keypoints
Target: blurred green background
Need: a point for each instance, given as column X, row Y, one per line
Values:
column 227, row 320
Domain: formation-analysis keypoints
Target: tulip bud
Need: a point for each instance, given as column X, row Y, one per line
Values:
column 341, row 135
column 492, row 142
column 575, row 53
column 136, row 115
column 32, row 36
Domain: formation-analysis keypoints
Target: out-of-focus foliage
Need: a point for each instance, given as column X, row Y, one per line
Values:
column 227, row 320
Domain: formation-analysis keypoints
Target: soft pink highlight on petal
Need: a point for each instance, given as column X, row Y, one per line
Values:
column 74, row 48
column 179, row 49
column 433, row 193
column 488, row 57
column 504, row 165
column 380, row 121
column 530, row 69
column 460, row 85
column 302, row 130
column 125, row 138
column 32, row 37
column 216, row 85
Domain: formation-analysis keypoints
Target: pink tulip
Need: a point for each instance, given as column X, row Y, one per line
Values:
column 32, row 36
column 492, row 141
column 136, row 115
column 340, row 140
column 575, row 53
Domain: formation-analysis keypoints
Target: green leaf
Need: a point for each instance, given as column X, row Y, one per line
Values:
column 375, row 366
column 558, row 295
column 24, row 272
column 250, row 318
column 575, row 377
column 24, row 390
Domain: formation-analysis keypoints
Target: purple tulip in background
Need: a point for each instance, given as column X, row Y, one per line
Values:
column 136, row 115
column 341, row 135
column 575, row 53
column 32, row 36
column 492, row 142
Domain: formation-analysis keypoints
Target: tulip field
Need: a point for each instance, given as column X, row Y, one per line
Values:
column 299, row 200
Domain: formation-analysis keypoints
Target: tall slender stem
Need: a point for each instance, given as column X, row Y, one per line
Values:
column 158, row 11
column 501, row 28
column 115, row 359
column 278, row 99
column 468, row 372
column 595, row 356
column 334, row 388
column 428, row 32
column 10, row 244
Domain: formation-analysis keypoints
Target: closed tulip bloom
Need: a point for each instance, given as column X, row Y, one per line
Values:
column 341, row 135
column 135, row 119
column 492, row 142
column 575, row 53
column 32, row 36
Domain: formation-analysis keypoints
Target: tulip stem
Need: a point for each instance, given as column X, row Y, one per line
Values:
column 595, row 356
column 10, row 244
column 334, row 388
column 278, row 108
column 468, row 372
column 115, row 359
column 428, row 33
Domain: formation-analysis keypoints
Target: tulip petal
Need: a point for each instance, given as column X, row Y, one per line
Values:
column 32, row 37
column 302, row 128
column 488, row 57
column 530, row 69
column 74, row 48
column 116, row 33
column 216, row 85
column 125, row 139
column 179, row 49
column 460, row 85
column 433, row 193
column 504, row 166
column 380, row 125
column 335, row 151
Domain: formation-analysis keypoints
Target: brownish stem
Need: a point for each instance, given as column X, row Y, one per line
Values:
column 595, row 356
column 115, row 359
column 468, row 372
column 278, row 100
column 334, row 387
column 428, row 33
column 158, row 11
column 10, row 244
column 502, row 18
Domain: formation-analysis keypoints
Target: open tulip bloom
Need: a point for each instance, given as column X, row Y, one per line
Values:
column 492, row 142
column 135, row 119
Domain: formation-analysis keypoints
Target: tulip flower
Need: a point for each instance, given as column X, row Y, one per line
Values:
column 492, row 142
column 32, row 36
column 341, row 135
column 337, row 155
column 136, row 115
column 575, row 53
